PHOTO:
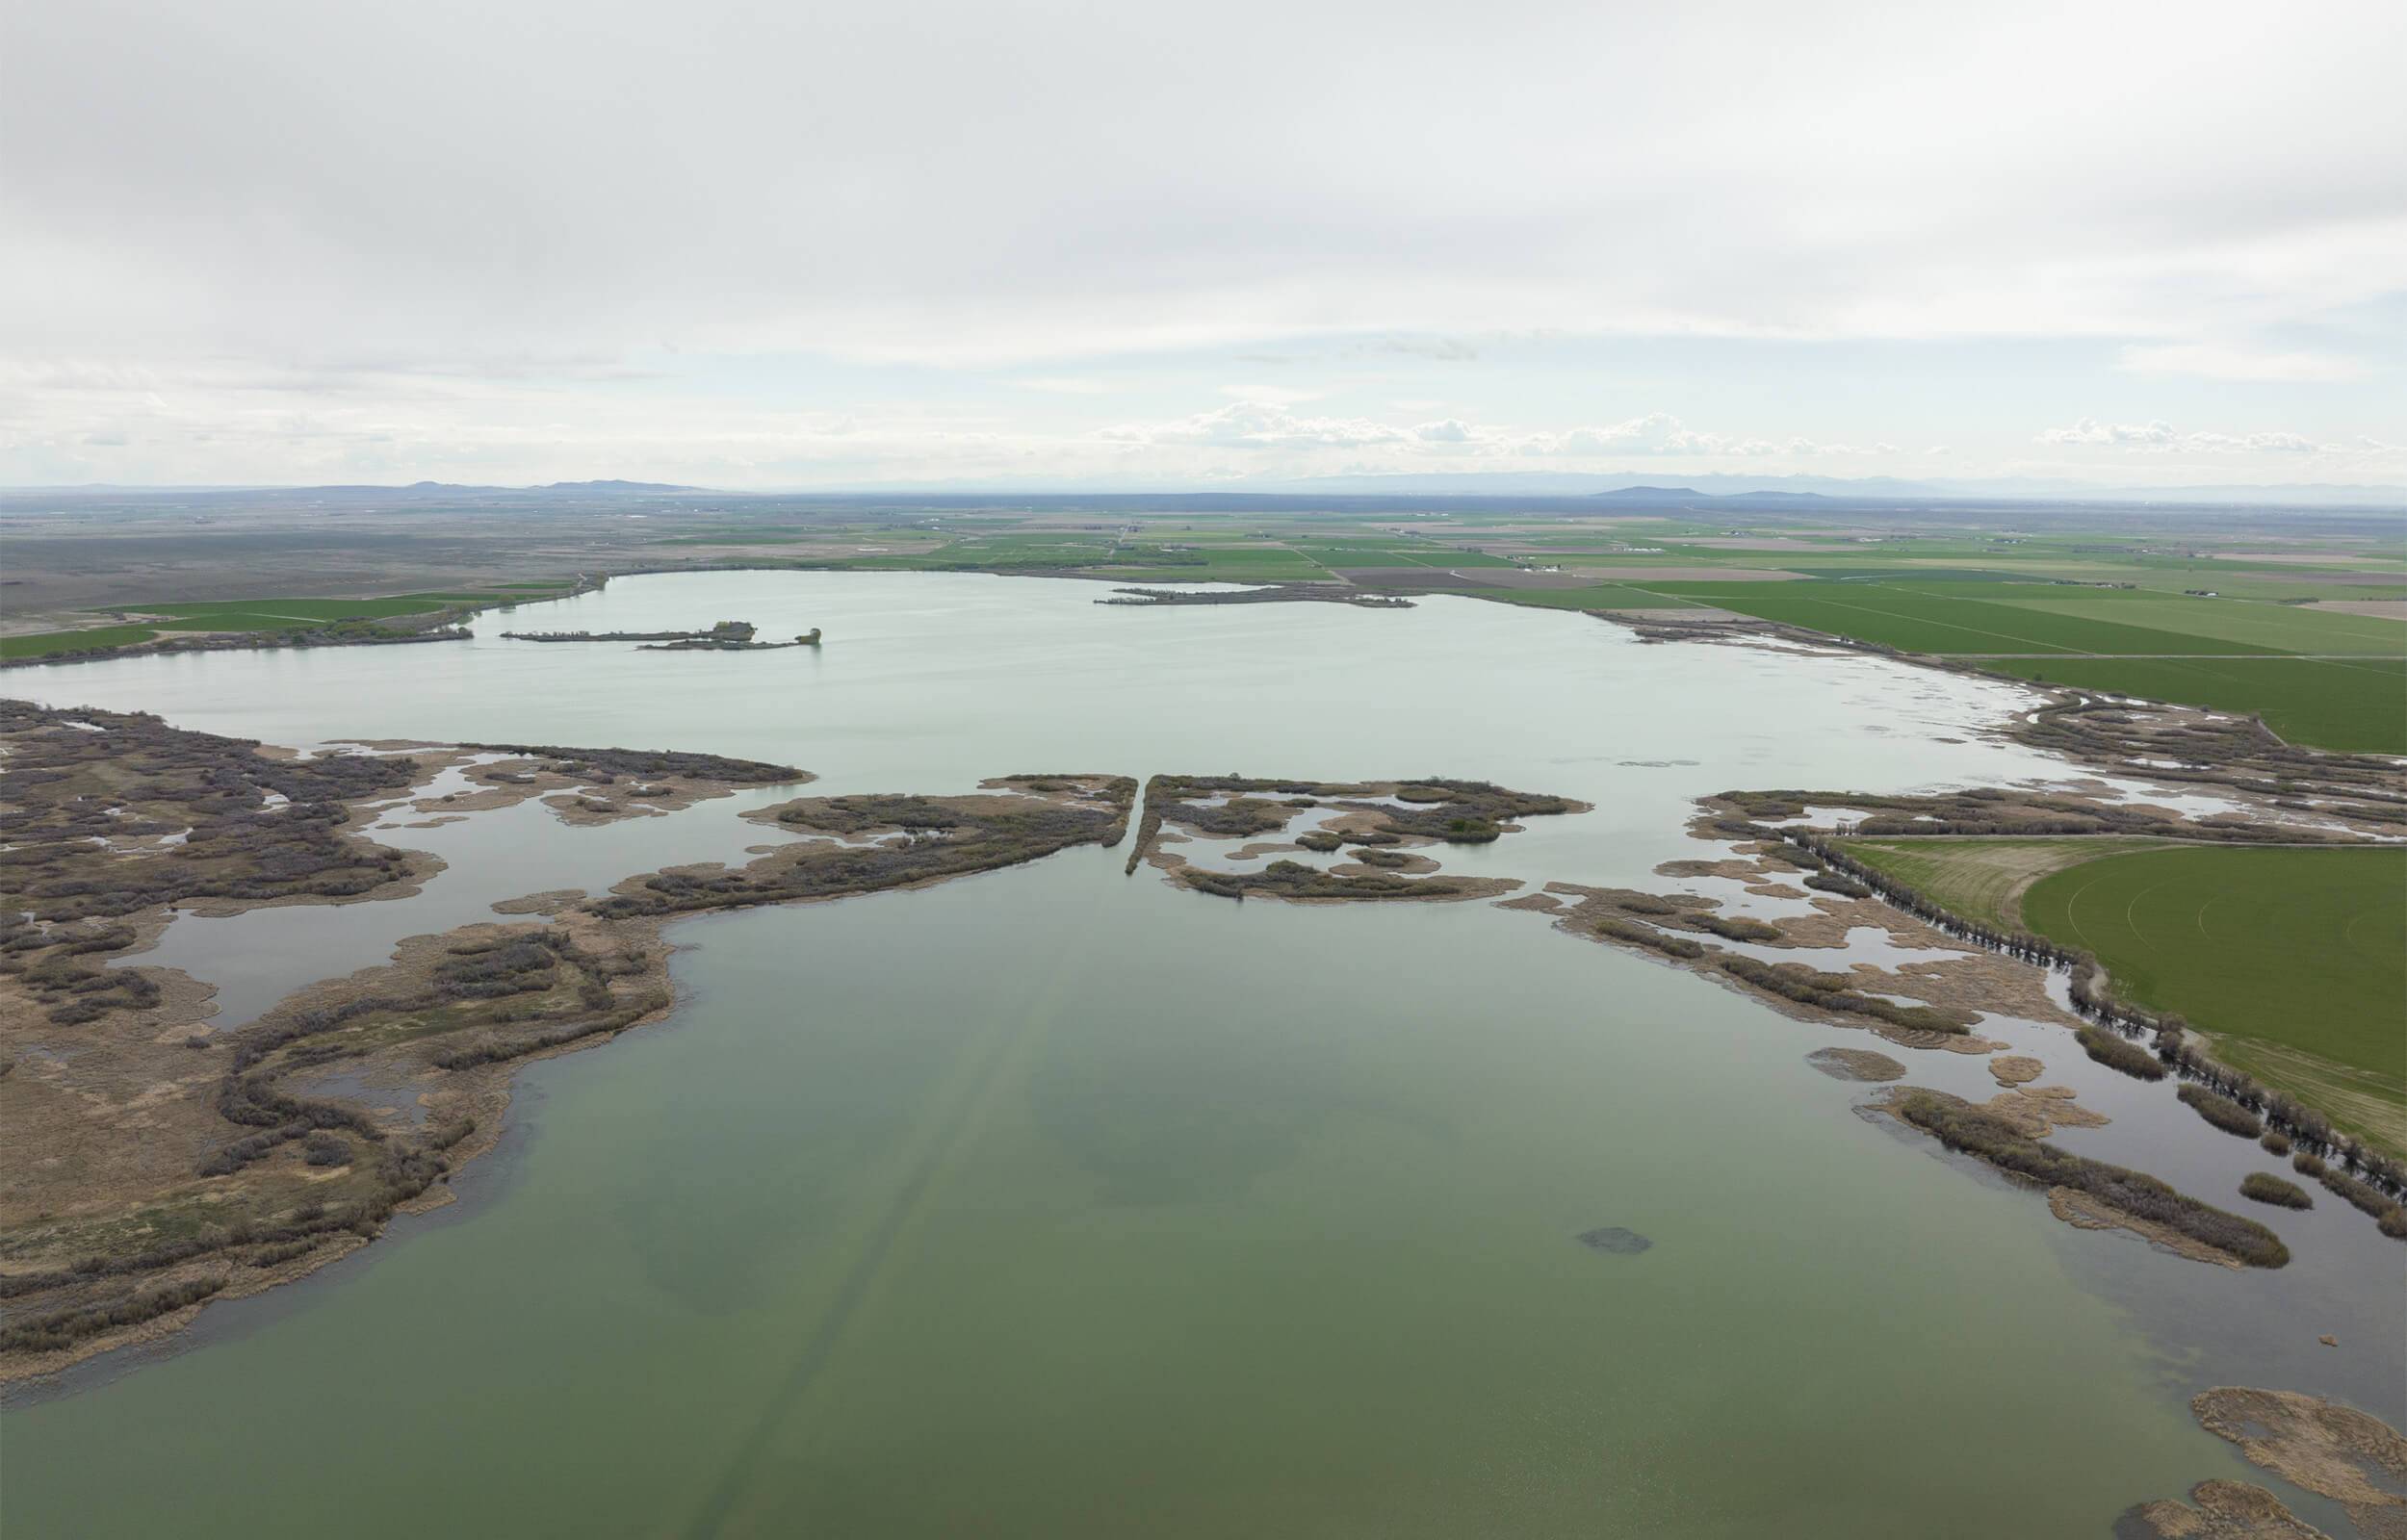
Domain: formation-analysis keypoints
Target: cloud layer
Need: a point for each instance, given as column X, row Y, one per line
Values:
column 386, row 216
column 2162, row 437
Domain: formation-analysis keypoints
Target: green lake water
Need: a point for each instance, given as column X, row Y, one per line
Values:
column 1058, row 1202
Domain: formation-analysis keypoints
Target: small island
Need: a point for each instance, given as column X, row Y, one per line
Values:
column 727, row 636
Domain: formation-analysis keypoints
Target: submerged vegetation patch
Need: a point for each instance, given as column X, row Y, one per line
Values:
column 1856, row 1063
column 1616, row 1240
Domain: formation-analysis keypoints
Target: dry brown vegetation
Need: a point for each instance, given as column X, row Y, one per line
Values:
column 1856, row 1063
column 1980, row 1133
column 2335, row 1452
column 2223, row 1510
column 889, row 841
column 153, row 1166
column 1436, row 812
column 2183, row 745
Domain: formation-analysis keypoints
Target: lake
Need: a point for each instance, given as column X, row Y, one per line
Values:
column 1059, row 1202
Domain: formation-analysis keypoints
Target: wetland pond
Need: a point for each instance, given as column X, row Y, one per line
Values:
column 1058, row 1202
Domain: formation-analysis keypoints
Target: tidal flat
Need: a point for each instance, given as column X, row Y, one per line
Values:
column 1058, row 1200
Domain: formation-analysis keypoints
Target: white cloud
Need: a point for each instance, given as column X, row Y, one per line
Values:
column 2252, row 443
column 606, row 182
column 1263, row 425
column 2089, row 430
column 1662, row 433
column 1397, row 209
column 1259, row 425
column 2161, row 436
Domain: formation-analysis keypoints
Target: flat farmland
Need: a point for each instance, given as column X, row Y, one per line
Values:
column 1947, row 623
column 2359, row 705
column 1984, row 879
column 2330, row 681
column 2284, row 627
column 247, row 615
column 2296, row 959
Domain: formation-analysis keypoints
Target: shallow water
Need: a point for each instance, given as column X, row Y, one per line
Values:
column 1058, row 1202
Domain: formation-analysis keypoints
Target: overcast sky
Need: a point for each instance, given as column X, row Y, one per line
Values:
column 817, row 244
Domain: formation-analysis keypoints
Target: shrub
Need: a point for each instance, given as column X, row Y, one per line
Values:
column 1290, row 878
column 1235, row 818
column 1962, row 1126
column 2266, row 1188
column 2222, row 1111
column 64, row 1328
column 1736, row 927
column 2275, row 1142
column 1647, row 936
column 1794, row 981
column 2306, row 1163
column 2365, row 1198
column 1648, row 903
column 2117, row 1053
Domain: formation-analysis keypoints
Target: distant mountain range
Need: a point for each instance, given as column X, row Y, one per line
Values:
column 579, row 488
column 415, row 489
column 1680, row 497
column 1799, row 491
column 1798, row 494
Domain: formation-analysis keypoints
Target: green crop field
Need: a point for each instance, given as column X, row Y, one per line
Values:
column 270, row 614
column 2358, row 704
column 1596, row 596
column 238, row 615
column 1983, row 878
column 2285, row 628
column 2296, row 959
column 1945, row 623
column 46, row 643
column 2165, row 646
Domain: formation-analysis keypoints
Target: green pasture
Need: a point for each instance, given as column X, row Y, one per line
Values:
column 1983, row 878
column 1920, row 622
column 2279, row 953
column 241, row 615
column 46, row 643
column 2358, row 704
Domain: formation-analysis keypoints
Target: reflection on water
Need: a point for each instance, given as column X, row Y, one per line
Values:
column 1058, row 1202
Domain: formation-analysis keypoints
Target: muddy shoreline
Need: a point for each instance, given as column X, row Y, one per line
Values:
column 429, row 1041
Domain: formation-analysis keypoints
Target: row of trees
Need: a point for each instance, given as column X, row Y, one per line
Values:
column 2167, row 1034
